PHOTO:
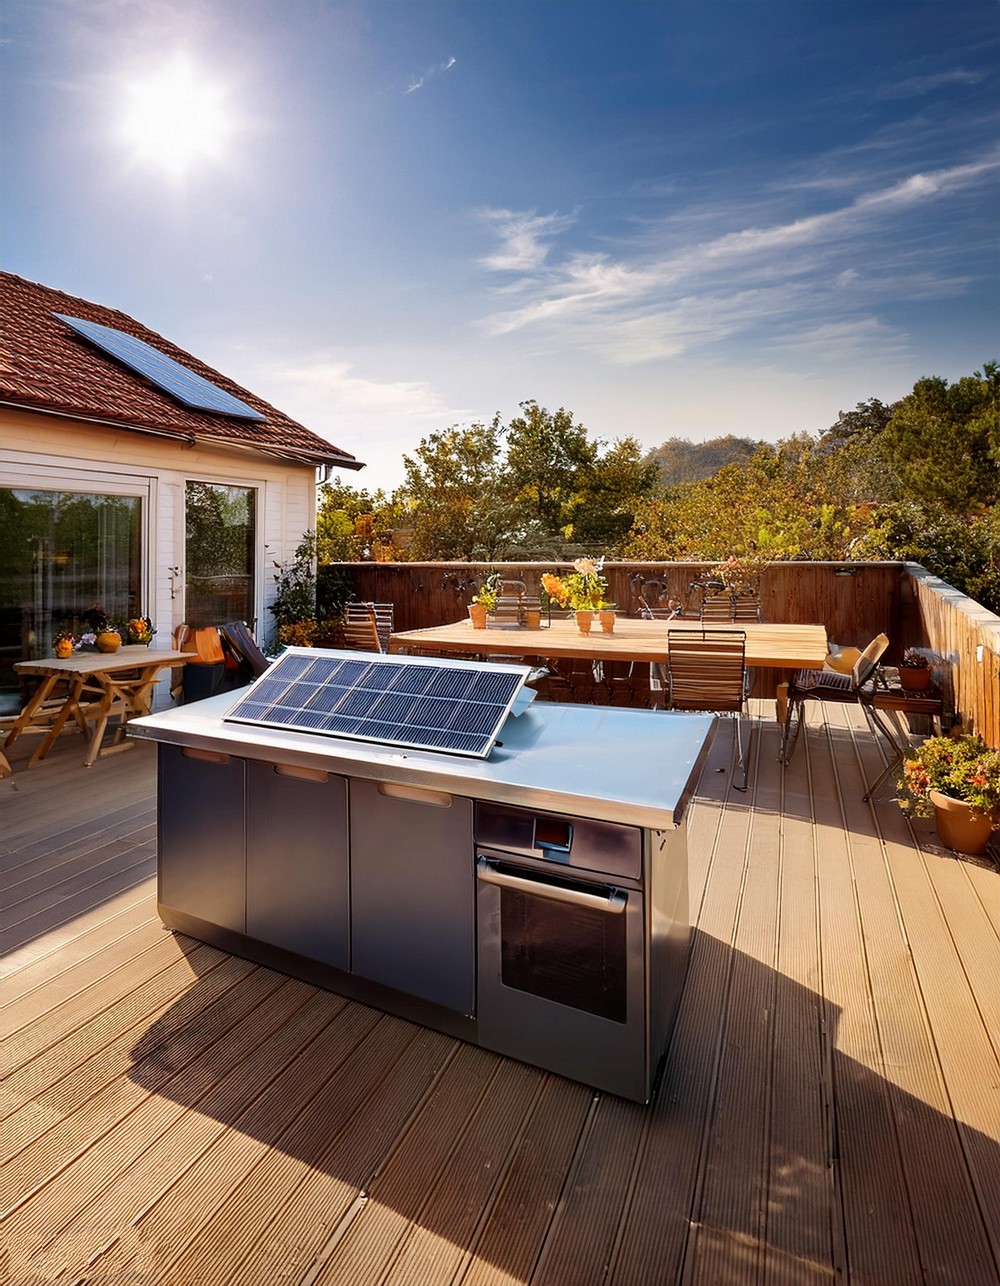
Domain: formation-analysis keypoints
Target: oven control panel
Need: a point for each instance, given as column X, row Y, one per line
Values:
column 584, row 843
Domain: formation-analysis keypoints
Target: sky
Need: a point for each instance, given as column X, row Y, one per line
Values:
column 674, row 218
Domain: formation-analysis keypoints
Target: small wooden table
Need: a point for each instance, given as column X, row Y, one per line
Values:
column 101, row 686
column 791, row 647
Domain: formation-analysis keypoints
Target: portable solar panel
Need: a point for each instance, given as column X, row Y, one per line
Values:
column 457, row 707
column 188, row 388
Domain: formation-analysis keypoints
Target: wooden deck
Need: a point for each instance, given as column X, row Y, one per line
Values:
column 829, row 1109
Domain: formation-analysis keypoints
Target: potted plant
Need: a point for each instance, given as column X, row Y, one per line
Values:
column 582, row 590
column 915, row 671
column 139, row 631
column 100, row 633
column 485, row 600
column 957, row 781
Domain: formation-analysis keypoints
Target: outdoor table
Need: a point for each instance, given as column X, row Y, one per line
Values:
column 101, row 685
column 792, row 647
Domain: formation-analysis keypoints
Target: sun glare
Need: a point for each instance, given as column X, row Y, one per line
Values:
column 176, row 118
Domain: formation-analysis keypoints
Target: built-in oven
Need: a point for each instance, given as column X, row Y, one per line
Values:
column 561, row 976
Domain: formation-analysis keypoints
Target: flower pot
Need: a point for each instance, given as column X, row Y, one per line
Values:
column 533, row 618
column 958, row 827
column 64, row 649
column 584, row 620
column 108, row 641
column 607, row 615
column 912, row 680
column 477, row 615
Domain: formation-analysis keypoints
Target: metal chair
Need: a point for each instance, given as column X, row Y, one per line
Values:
column 854, row 687
column 708, row 671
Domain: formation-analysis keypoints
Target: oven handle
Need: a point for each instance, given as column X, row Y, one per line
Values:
column 614, row 902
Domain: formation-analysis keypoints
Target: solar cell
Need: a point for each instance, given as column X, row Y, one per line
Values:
column 188, row 388
column 454, row 706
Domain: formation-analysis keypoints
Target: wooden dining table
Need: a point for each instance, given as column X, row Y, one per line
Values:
column 787, row 647
column 99, row 686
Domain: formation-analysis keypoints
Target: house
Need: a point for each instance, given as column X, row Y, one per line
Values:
column 134, row 476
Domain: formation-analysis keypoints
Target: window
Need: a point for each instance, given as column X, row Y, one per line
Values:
column 219, row 555
column 62, row 552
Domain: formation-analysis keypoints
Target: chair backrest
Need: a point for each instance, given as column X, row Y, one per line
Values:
column 237, row 637
column 868, row 660
column 746, row 607
column 360, row 628
column 360, row 613
column 717, row 607
column 706, row 670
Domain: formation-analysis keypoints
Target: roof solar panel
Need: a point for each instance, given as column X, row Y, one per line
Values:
column 188, row 388
column 457, row 707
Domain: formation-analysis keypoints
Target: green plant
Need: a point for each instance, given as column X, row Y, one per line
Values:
column 963, row 767
column 489, row 591
column 295, row 598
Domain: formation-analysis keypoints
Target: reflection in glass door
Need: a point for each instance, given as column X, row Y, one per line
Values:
column 219, row 554
column 62, row 552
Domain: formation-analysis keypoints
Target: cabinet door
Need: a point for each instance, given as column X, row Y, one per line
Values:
column 298, row 890
column 201, row 865
column 413, row 892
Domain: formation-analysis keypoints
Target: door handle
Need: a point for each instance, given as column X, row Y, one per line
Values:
column 612, row 902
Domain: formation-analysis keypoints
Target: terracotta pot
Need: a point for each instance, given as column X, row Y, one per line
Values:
column 477, row 615
column 584, row 620
column 607, row 615
column 533, row 618
column 958, row 827
column 911, row 680
column 108, row 641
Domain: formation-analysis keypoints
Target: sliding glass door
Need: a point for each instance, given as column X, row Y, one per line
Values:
column 61, row 553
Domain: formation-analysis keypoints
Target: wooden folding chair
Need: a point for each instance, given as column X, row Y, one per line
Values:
column 360, row 628
column 856, row 686
column 708, row 671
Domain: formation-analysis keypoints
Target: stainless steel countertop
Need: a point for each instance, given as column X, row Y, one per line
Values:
column 631, row 766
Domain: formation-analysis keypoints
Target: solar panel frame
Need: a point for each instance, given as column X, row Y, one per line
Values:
column 170, row 376
column 453, row 706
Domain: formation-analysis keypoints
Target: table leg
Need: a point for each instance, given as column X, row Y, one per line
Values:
column 70, row 706
column 26, row 717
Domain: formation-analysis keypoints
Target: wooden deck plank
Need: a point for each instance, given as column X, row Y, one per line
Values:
column 828, row 1105
column 877, row 1229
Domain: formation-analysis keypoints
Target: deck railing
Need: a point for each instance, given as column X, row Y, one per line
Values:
column 855, row 601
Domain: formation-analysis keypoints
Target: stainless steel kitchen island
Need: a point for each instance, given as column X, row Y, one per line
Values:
column 533, row 901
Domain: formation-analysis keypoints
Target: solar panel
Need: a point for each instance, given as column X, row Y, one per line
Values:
column 170, row 376
column 457, row 707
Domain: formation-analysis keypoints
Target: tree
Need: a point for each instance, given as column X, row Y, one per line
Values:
column 679, row 460
column 456, row 490
column 550, row 464
column 353, row 523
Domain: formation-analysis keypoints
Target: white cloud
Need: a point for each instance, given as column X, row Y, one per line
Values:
column 418, row 82
column 521, row 236
column 916, row 86
column 834, row 264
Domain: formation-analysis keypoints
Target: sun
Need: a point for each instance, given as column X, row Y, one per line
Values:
column 176, row 118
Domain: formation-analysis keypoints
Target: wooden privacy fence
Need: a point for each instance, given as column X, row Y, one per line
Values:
column 854, row 601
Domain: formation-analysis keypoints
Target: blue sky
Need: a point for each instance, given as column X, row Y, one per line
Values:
column 673, row 218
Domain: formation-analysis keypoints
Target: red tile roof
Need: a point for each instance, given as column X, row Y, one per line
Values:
column 45, row 366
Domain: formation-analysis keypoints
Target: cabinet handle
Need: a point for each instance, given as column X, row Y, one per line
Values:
column 302, row 774
column 206, row 756
column 613, row 902
column 415, row 794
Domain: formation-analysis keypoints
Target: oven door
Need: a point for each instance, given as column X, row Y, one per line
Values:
column 561, row 972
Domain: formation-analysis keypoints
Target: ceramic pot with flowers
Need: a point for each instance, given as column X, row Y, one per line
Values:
column 584, row 619
column 477, row 615
column 64, row 648
column 915, row 671
column 607, row 618
column 955, row 780
column 108, row 641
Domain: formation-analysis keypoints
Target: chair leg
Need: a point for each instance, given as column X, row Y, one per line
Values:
column 790, row 729
column 742, row 759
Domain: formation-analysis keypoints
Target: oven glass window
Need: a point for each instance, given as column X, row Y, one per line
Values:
column 571, row 955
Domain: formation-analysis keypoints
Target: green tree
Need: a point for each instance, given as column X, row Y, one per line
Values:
column 458, row 495
column 550, row 465
column 352, row 524
column 680, row 460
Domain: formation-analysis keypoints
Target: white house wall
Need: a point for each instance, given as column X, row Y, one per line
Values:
column 54, row 453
